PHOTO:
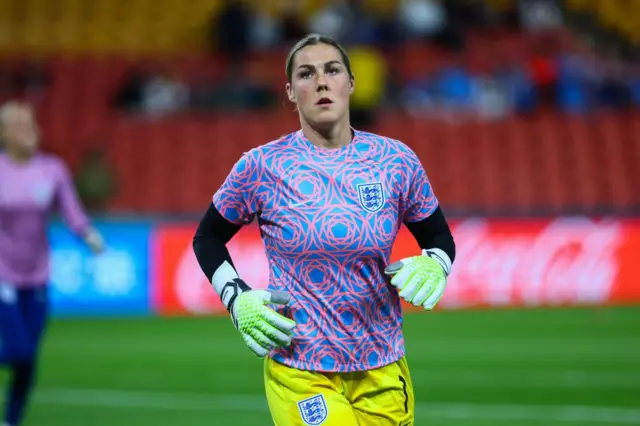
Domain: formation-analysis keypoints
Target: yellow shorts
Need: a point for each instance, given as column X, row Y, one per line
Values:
column 381, row 397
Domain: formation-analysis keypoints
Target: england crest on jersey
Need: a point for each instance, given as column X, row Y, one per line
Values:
column 371, row 196
column 313, row 410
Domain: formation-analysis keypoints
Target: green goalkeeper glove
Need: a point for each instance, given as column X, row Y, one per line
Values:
column 261, row 327
column 421, row 279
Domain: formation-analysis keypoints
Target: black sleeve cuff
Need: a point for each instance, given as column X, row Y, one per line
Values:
column 434, row 232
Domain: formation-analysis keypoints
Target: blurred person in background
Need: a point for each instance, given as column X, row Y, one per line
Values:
column 163, row 94
column 370, row 67
column 633, row 80
column 31, row 186
column 335, row 18
column 331, row 20
column 539, row 15
column 614, row 91
column 231, row 31
column 543, row 69
column 453, row 84
column 421, row 18
column 291, row 22
column 128, row 95
column 578, row 80
column 517, row 84
column 329, row 200
column 490, row 97
column 95, row 180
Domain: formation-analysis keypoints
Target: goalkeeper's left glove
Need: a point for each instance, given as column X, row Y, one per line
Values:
column 421, row 279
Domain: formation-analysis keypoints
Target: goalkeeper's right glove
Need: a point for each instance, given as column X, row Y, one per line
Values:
column 261, row 327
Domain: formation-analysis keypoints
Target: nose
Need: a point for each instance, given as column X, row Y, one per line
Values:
column 322, row 82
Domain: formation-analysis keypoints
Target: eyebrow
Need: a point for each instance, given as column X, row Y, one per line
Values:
column 325, row 64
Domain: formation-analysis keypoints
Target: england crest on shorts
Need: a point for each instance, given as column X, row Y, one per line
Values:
column 313, row 410
column 371, row 196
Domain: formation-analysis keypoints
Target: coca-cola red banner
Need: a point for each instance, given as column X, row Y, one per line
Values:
column 564, row 261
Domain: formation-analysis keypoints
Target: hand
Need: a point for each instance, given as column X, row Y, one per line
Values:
column 94, row 240
column 261, row 327
column 421, row 279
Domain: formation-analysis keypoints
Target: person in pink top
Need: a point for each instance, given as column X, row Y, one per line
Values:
column 329, row 201
column 33, row 186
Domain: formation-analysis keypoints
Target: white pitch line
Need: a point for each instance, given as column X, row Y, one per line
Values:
column 529, row 379
column 254, row 403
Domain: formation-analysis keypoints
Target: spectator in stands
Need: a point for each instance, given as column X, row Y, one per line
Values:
column 163, row 94
column 454, row 88
column 422, row 19
column 95, row 181
column 239, row 90
column 470, row 13
column 634, row 82
column 264, row 31
column 362, row 27
column 539, row 15
column 293, row 27
column 578, row 79
column 230, row 30
column 543, row 69
column 129, row 95
column 331, row 20
column 419, row 97
column 370, row 67
column 614, row 90
column 346, row 21
column 32, row 79
column 517, row 84
column 490, row 97
column 453, row 35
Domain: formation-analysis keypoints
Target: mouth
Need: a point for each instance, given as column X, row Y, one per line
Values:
column 324, row 101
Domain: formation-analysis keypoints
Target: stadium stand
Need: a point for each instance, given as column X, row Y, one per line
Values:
column 542, row 162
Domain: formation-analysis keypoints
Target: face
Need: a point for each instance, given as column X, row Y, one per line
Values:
column 320, row 85
column 19, row 131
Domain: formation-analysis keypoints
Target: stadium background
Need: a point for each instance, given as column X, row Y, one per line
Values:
column 524, row 113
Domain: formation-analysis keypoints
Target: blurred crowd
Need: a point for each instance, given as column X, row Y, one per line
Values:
column 575, row 81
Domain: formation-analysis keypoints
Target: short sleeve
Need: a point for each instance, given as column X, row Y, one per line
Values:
column 236, row 198
column 420, row 199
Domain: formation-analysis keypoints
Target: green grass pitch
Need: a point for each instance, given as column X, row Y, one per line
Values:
column 514, row 367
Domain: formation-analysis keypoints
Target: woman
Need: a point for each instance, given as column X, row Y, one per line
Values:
column 329, row 200
column 32, row 185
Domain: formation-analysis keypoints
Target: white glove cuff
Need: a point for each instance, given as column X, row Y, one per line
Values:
column 221, row 277
column 439, row 256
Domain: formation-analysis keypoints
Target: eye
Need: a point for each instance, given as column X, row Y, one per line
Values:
column 304, row 74
column 334, row 70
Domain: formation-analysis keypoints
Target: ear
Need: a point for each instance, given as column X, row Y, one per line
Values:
column 290, row 94
column 352, row 85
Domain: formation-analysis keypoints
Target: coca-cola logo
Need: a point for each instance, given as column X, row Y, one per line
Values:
column 569, row 260
column 565, row 261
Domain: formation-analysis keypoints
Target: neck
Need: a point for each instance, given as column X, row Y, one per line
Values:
column 18, row 157
column 332, row 137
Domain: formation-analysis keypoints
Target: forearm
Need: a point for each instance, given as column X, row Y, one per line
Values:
column 434, row 235
column 209, row 246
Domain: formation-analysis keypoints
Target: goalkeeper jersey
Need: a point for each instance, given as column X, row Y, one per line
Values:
column 329, row 219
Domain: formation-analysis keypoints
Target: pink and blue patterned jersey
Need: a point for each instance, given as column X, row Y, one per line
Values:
column 329, row 219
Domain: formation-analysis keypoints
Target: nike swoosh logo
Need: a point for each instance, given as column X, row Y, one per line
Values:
column 293, row 205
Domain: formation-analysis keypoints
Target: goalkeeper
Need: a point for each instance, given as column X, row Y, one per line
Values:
column 329, row 202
